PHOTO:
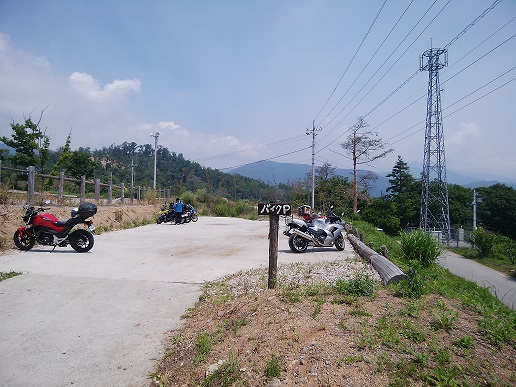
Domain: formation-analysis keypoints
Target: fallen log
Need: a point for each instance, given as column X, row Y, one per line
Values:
column 388, row 271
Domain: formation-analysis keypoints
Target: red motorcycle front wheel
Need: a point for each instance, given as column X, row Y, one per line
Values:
column 23, row 240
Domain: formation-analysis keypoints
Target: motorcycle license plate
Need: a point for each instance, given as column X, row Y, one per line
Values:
column 92, row 228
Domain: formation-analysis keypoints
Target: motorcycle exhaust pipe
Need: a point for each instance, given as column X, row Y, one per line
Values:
column 306, row 236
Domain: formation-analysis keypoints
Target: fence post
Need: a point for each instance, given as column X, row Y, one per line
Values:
column 97, row 190
column 110, row 192
column 122, row 193
column 83, row 189
column 131, row 193
column 30, row 182
column 139, row 193
column 60, row 187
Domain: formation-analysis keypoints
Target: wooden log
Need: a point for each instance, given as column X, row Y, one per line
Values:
column 388, row 271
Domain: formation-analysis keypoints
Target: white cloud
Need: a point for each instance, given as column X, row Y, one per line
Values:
column 208, row 150
column 87, row 86
column 467, row 133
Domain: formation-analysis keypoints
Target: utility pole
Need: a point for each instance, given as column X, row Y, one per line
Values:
column 132, row 179
column 312, row 132
column 435, row 210
column 475, row 209
column 155, row 154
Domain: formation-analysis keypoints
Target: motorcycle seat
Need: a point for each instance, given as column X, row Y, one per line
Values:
column 60, row 223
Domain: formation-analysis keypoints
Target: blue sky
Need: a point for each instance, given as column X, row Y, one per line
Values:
column 232, row 82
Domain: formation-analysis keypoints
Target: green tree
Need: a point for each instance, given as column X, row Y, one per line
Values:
column 80, row 164
column 382, row 213
column 460, row 200
column 404, row 192
column 64, row 157
column 497, row 210
column 30, row 144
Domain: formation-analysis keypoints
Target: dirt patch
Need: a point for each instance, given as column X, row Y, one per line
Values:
column 240, row 331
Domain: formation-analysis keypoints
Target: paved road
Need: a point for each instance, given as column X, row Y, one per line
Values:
column 100, row 318
column 500, row 285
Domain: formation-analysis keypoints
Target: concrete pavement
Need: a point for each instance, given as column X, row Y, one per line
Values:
column 500, row 285
column 100, row 318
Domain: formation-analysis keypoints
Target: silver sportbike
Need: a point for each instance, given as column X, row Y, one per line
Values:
column 320, row 232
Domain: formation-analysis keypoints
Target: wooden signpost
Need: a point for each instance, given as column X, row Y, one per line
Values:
column 274, row 210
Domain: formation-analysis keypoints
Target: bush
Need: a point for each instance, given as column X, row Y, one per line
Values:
column 420, row 247
column 361, row 285
column 483, row 241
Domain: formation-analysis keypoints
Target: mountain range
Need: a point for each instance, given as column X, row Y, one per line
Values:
column 275, row 173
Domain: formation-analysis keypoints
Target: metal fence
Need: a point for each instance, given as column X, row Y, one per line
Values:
column 458, row 237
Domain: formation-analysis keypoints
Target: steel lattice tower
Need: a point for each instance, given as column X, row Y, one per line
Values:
column 435, row 212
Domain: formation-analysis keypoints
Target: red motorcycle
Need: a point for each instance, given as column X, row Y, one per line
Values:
column 46, row 229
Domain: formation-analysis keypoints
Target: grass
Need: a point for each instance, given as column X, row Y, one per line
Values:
column 273, row 368
column 11, row 274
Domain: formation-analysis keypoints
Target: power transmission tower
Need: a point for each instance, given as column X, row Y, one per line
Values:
column 435, row 210
column 312, row 132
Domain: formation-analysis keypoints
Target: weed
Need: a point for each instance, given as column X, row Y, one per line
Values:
column 465, row 342
column 227, row 374
column 360, row 285
column 444, row 317
column 446, row 376
column 353, row 359
column 367, row 340
column 359, row 313
column 414, row 285
column 204, row 343
column 342, row 325
column 11, row 274
column 273, row 368
column 413, row 332
column 318, row 308
column 290, row 295
column 158, row 379
column 384, row 362
column 442, row 356
column 412, row 310
column 177, row 339
column 235, row 325
column 419, row 358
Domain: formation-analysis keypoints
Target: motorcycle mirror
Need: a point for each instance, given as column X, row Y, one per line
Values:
column 47, row 201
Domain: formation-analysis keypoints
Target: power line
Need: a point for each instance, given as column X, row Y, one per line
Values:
column 351, row 61
column 270, row 158
column 253, row 149
column 381, row 66
column 413, row 75
column 455, row 111
column 369, row 61
column 491, row 7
